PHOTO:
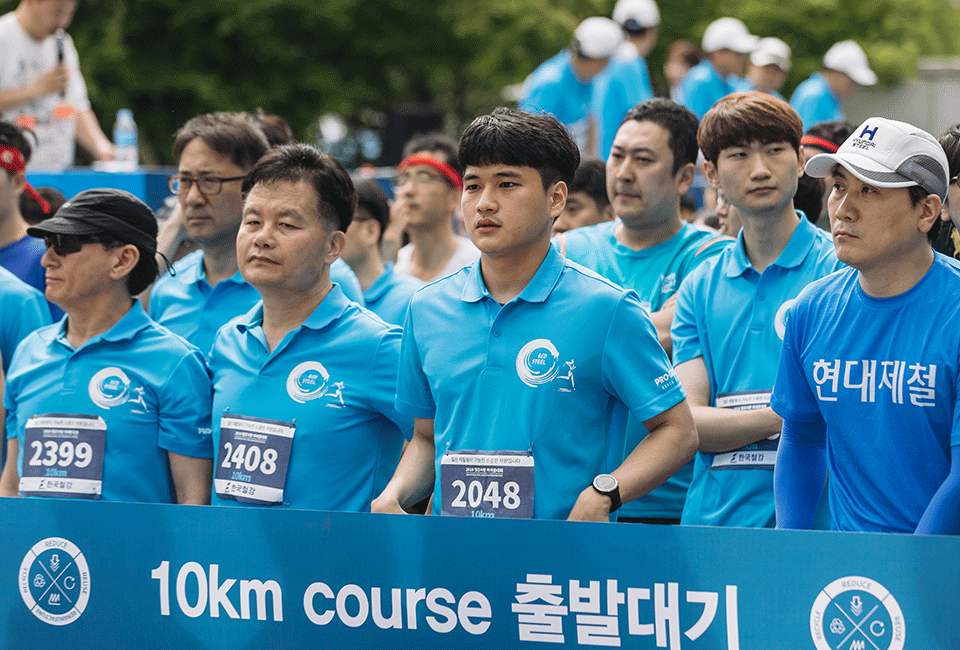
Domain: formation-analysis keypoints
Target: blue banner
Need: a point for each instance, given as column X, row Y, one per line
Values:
column 80, row 574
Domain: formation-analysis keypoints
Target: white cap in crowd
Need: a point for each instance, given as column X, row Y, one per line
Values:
column 635, row 15
column 888, row 153
column 597, row 38
column 728, row 34
column 771, row 50
column 848, row 57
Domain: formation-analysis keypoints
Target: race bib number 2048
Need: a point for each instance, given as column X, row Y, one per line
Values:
column 494, row 484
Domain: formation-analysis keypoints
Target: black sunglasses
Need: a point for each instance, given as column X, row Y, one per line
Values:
column 68, row 244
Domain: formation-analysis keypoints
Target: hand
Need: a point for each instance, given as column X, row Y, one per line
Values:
column 399, row 219
column 384, row 505
column 591, row 506
column 54, row 81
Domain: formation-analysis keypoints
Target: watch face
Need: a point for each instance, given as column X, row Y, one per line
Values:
column 605, row 483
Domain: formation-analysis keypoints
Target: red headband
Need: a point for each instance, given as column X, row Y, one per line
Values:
column 12, row 160
column 819, row 143
column 442, row 167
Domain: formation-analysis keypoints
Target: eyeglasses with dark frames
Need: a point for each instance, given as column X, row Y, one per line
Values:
column 208, row 185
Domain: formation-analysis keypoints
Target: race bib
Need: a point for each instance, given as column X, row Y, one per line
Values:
column 253, row 458
column 63, row 455
column 487, row 484
column 759, row 455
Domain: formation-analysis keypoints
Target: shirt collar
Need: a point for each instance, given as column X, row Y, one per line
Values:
column 792, row 256
column 330, row 308
column 380, row 286
column 193, row 273
column 537, row 290
column 125, row 329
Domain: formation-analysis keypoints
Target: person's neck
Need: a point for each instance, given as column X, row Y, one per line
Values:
column 23, row 16
column 96, row 315
column 219, row 261
column 506, row 276
column 285, row 311
column 12, row 229
column 646, row 236
column 368, row 268
column 766, row 235
column 898, row 273
column 431, row 250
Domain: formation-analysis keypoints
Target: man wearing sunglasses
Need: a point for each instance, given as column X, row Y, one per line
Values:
column 106, row 371
column 215, row 151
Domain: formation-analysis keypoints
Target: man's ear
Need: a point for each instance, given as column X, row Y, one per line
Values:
column 710, row 173
column 335, row 245
column 558, row 198
column 685, row 177
column 932, row 207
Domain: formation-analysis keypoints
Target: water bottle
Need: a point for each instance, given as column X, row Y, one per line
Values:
column 125, row 141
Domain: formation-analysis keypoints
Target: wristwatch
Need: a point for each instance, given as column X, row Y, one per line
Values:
column 607, row 485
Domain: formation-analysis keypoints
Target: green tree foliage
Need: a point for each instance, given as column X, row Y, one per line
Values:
column 169, row 60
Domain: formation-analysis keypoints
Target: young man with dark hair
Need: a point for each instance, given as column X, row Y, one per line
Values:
column 134, row 397
column 304, row 362
column 528, row 363
column 214, row 153
column 651, row 249
column 426, row 195
column 385, row 292
column 730, row 312
column 869, row 376
column 587, row 200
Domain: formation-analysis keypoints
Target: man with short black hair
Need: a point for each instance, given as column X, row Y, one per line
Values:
column 305, row 361
column 214, row 153
column 527, row 361
column 869, row 380
column 134, row 398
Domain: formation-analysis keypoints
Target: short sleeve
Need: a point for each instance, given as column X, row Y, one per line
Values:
column 383, row 380
column 685, row 330
column 32, row 313
column 185, row 405
column 635, row 368
column 413, row 388
column 792, row 398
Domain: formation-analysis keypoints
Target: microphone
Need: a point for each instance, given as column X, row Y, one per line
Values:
column 59, row 37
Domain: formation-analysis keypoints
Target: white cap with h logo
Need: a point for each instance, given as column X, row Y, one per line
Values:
column 888, row 153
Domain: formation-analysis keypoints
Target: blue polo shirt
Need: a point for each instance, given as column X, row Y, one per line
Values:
column 815, row 102
column 555, row 89
column 734, row 318
column 655, row 273
column 160, row 400
column 702, row 86
column 22, row 258
column 348, row 434
column 470, row 364
column 884, row 374
column 24, row 311
column 389, row 296
column 624, row 84
column 186, row 304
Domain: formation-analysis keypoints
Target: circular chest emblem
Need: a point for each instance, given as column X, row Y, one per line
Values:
column 538, row 362
column 109, row 387
column 307, row 381
column 780, row 320
column 856, row 612
column 55, row 581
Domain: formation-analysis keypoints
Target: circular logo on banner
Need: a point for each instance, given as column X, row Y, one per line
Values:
column 109, row 387
column 55, row 581
column 856, row 612
column 307, row 381
column 780, row 320
column 538, row 362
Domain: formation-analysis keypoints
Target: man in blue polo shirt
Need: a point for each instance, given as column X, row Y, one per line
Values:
column 214, row 153
column 304, row 382
column 727, row 44
column 521, row 368
column 730, row 312
column 385, row 292
column 25, row 310
column 869, row 378
column 818, row 99
column 106, row 404
column 651, row 249
column 563, row 86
